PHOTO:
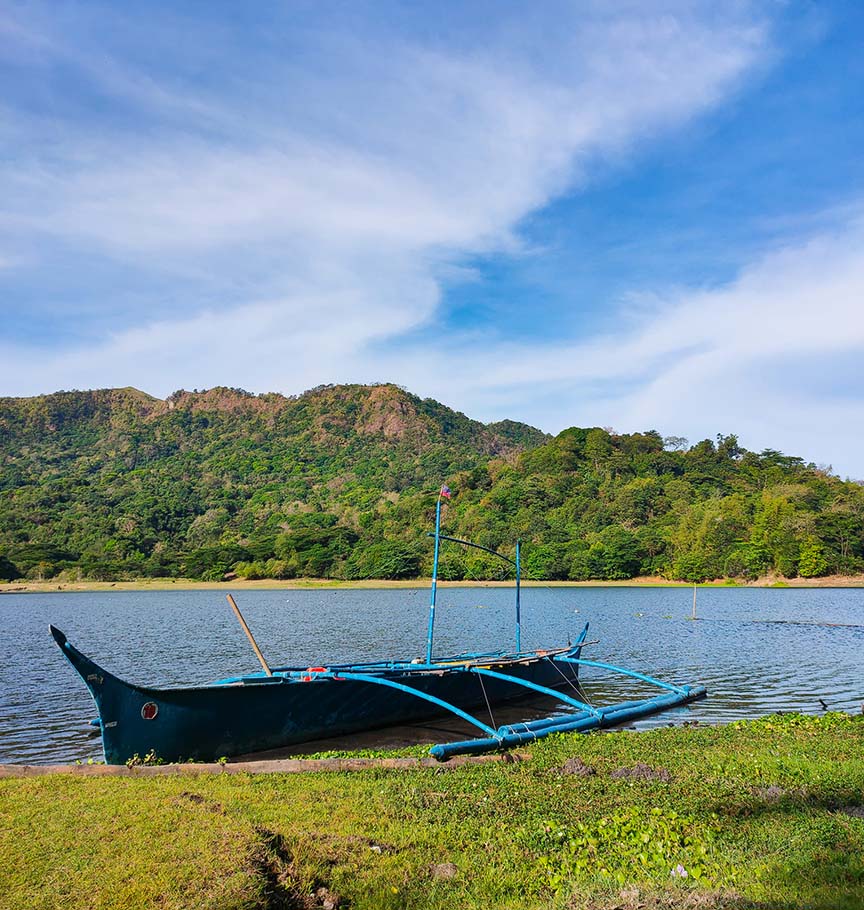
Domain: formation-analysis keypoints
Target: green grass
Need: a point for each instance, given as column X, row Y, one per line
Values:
column 752, row 811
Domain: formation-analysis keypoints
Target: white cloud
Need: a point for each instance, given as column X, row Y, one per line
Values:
column 434, row 152
column 696, row 363
column 359, row 171
column 353, row 180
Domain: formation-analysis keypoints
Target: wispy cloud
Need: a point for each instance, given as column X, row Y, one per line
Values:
column 423, row 150
column 311, row 191
column 349, row 166
column 773, row 356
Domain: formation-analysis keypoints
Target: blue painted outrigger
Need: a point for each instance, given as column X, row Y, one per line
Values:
column 290, row 705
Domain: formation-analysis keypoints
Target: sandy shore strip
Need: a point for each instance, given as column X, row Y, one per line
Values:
column 300, row 584
column 277, row 766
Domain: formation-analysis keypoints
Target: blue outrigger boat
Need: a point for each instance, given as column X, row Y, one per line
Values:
column 290, row 705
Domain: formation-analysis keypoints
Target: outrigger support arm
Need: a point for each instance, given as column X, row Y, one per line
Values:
column 381, row 681
column 554, row 693
column 678, row 690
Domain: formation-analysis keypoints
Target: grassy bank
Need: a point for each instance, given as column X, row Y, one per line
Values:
column 240, row 584
column 759, row 814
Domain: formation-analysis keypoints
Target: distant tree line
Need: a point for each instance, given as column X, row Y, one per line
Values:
column 340, row 483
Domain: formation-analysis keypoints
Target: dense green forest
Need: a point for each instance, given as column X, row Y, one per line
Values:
column 340, row 482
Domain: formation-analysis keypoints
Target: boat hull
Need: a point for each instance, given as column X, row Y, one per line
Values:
column 259, row 712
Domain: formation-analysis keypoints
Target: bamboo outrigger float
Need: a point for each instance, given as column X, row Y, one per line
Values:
column 284, row 706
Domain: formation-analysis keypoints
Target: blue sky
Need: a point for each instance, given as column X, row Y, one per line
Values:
column 619, row 214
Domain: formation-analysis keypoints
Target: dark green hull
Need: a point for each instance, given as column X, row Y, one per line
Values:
column 254, row 713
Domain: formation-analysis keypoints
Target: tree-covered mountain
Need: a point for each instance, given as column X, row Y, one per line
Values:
column 341, row 481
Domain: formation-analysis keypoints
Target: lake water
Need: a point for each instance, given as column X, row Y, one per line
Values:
column 756, row 650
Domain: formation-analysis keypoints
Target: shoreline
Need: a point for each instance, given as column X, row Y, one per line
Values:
column 341, row 764
column 301, row 584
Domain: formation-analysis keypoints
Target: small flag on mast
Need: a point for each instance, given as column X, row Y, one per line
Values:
column 446, row 492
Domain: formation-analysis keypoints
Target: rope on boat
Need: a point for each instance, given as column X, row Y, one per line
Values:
column 486, row 697
column 577, row 689
column 569, row 680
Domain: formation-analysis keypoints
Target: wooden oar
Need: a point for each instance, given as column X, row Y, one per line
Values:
column 249, row 634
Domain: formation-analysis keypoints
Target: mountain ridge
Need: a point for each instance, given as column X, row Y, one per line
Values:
column 236, row 400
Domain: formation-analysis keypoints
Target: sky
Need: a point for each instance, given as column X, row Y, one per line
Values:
column 622, row 214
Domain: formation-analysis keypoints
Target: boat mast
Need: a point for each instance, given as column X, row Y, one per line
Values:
column 518, row 603
column 434, row 580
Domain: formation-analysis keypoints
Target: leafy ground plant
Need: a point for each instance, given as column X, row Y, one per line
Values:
column 661, row 844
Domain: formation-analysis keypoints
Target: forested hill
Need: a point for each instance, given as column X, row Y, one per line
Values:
column 340, row 482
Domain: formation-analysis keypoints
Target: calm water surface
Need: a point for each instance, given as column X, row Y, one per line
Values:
column 757, row 650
